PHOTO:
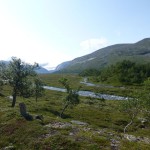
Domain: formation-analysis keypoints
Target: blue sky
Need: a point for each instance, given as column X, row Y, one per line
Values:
column 52, row 31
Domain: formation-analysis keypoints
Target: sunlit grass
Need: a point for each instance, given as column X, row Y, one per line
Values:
column 108, row 119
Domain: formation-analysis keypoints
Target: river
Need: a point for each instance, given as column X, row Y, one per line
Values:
column 89, row 94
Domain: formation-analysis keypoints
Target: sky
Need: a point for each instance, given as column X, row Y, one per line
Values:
column 50, row 32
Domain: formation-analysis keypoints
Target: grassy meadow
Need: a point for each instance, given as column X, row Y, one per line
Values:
column 103, row 128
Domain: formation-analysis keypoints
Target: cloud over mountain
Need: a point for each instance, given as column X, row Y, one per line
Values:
column 91, row 45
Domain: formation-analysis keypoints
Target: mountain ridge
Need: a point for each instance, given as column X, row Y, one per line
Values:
column 139, row 52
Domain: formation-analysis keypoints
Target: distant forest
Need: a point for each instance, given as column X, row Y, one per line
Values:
column 125, row 72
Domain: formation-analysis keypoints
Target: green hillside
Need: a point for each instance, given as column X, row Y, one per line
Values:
column 138, row 52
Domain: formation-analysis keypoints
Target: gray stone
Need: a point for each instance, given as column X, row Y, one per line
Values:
column 143, row 120
column 10, row 147
column 51, row 133
column 71, row 134
column 79, row 122
column 146, row 140
column 131, row 138
column 114, row 144
column 114, row 147
column 137, row 139
column 74, row 131
column 60, row 125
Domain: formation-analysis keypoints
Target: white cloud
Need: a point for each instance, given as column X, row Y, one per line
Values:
column 93, row 44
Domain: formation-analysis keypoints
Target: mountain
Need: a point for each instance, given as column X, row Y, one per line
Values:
column 138, row 52
column 4, row 62
column 39, row 70
column 62, row 65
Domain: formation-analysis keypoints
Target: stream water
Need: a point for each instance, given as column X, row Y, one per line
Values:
column 89, row 94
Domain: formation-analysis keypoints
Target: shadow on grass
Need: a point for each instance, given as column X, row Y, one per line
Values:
column 56, row 113
column 28, row 117
column 2, row 95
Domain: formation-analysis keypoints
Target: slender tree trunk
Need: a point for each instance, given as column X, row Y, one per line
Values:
column 133, row 116
column 14, row 100
column 61, row 114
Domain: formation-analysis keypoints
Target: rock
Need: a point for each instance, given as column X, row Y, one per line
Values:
column 11, row 147
column 144, row 139
column 50, row 134
column 71, row 134
column 114, row 144
column 86, row 129
column 131, row 138
column 114, row 147
column 143, row 120
column 100, row 131
column 110, row 134
column 60, row 125
column 79, row 122
column 74, row 131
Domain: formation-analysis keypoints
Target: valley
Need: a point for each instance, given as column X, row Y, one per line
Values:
column 92, row 102
column 99, row 124
column 74, row 75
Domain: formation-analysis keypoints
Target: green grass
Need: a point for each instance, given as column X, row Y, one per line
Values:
column 104, row 123
column 74, row 80
column 53, row 79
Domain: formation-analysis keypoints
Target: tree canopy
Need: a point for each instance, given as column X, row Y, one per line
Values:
column 72, row 97
column 19, row 75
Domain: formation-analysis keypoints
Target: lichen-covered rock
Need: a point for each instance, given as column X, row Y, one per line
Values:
column 79, row 122
column 133, row 138
column 10, row 147
column 58, row 125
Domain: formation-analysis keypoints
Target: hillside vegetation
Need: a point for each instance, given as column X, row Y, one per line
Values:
column 137, row 52
column 33, row 118
column 101, row 127
column 124, row 72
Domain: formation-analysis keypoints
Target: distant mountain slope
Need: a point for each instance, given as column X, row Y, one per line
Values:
column 5, row 62
column 62, row 65
column 42, row 70
column 139, row 52
column 39, row 70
